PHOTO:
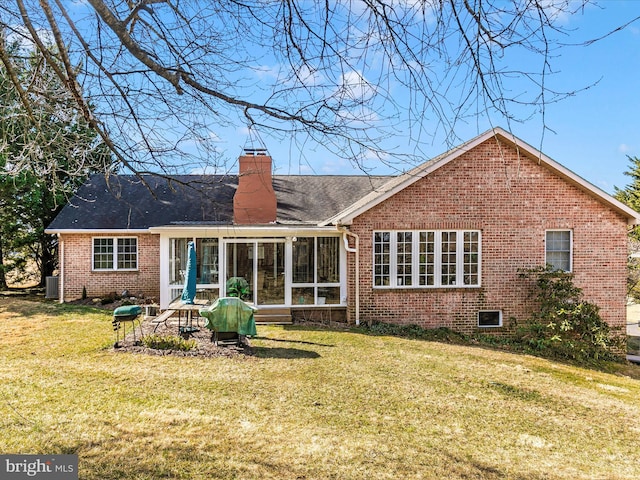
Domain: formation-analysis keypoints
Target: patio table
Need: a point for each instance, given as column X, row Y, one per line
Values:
column 189, row 308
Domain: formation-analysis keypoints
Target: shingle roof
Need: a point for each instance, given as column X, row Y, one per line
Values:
column 125, row 202
column 313, row 198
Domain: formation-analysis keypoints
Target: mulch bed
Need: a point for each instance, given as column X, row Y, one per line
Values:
column 205, row 346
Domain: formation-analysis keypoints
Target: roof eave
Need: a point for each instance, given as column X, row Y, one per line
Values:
column 633, row 217
column 398, row 184
column 403, row 181
column 242, row 230
column 94, row 231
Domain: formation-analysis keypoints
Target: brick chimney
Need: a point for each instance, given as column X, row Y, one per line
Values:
column 255, row 200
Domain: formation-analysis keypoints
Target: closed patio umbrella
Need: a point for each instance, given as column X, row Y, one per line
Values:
column 189, row 290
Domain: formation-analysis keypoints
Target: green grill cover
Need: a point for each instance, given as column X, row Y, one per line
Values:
column 230, row 314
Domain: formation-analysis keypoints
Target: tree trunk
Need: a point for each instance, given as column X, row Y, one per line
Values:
column 48, row 258
column 3, row 277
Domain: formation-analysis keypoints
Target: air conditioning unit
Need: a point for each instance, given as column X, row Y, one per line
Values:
column 52, row 287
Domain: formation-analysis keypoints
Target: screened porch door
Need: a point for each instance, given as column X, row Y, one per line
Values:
column 261, row 264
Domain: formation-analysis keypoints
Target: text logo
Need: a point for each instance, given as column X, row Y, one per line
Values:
column 45, row 467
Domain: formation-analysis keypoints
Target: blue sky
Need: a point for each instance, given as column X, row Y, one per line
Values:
column 597, row 128
column 592, row 131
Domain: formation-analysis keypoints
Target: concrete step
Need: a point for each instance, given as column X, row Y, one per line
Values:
column 276, row 315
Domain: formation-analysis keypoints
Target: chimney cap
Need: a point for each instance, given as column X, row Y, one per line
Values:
column 255, row 151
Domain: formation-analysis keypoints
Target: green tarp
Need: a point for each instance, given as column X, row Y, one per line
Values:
column 230, row 314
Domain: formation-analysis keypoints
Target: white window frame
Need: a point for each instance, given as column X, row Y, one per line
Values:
column 316, row 284
column 546, row 246
column 115, row 268
column 415, row 259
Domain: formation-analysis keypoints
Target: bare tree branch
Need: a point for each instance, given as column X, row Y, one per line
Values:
column 157, row 78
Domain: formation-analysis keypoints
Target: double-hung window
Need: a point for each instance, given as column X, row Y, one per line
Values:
column 111, row 253
column 426, row 258
column 559, row 249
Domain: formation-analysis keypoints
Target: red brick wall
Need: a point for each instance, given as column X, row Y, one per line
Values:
column 78, row 274
column 512, row 200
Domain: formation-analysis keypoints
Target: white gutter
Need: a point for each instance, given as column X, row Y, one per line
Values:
column 355, row 250
column 96, row 231
column 278, row 230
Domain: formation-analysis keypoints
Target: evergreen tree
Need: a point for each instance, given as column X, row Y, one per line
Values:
column 30, row 197
column 630, row 196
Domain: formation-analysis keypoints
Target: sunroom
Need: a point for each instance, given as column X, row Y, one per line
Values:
column 284, row 267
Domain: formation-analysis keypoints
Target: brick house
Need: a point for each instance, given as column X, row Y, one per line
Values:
column 440, row 245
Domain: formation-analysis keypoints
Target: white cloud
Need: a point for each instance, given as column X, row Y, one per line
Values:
column 560, row 11
column 20, row 34
column 354, row 86
column 624, row 148
column 310, row 78
column 268, row 72
column 335, row 166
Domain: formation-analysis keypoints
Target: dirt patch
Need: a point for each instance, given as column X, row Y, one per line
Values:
column 203, row 337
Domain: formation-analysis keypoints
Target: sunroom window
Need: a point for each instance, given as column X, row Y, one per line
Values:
column 206, row 260
column 207, row 274
column 316, row 271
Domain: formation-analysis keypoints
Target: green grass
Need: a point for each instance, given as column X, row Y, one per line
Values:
column 311, row 404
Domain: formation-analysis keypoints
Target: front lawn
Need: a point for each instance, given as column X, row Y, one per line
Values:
column 310, row 404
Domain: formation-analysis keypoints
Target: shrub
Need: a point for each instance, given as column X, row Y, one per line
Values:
column 441, row 334
column 109, row 298
column 169, row 342
column 633, row 345
column 566, row 326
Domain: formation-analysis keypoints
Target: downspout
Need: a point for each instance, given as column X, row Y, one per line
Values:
column 60, row 268
column 355, row 250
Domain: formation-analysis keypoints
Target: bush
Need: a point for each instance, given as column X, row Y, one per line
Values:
column 633, row 345
column 169, row 342
column 566, row 326
column 109, row 298
column 441, row 334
